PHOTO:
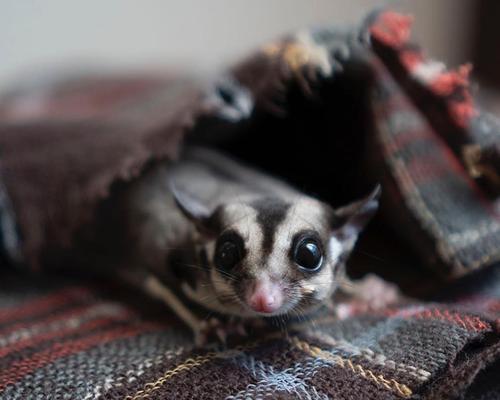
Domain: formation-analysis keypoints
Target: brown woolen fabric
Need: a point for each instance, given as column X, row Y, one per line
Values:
column 61, row 155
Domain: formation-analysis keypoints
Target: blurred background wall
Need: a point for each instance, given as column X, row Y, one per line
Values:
column 36, row 35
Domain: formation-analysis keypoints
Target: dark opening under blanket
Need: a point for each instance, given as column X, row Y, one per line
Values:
column 342, row 109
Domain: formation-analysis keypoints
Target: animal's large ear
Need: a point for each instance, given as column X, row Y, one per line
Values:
column 192, row 208
column 350, row 220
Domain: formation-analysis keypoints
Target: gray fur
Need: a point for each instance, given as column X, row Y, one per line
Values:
column 177, row 212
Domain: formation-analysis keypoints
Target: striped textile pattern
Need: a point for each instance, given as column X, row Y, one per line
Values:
column 63, row 338
column 84, row 341
column 423, row 113
column 421, row 118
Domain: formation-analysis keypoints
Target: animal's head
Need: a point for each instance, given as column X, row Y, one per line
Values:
column 268, row 256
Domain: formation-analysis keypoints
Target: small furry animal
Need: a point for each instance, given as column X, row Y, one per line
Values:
column 235, row 241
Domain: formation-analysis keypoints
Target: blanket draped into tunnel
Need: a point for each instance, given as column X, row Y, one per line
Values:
column 331, row 110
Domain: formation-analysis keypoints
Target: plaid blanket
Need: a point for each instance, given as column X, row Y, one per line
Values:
column 63, row 338
column 365, row 102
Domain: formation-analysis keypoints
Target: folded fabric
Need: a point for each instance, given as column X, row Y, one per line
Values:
column 364, row 102
column 64, row 145
column 331, row 110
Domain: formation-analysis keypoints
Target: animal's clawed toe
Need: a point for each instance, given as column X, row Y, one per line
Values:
column 221, row 331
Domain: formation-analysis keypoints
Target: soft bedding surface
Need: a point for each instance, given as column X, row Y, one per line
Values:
column 68, row 339
column 365, row 102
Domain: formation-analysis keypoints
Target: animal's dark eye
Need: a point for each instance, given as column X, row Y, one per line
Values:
column 308, row 255
column 225, row 94
column 227, row 255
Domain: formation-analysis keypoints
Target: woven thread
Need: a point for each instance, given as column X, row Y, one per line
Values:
column 389, row 384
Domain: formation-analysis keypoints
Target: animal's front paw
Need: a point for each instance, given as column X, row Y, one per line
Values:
column 216, row 329
column 378, row 293
column 368, row 294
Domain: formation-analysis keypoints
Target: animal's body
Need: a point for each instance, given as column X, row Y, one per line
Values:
column 235, row 240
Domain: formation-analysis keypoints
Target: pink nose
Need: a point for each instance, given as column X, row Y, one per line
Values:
column 266, row 297
column 263, row 303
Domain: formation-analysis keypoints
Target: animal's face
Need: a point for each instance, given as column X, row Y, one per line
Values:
column 271, row 257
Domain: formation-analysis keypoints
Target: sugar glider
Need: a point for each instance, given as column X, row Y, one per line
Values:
column 211, row 231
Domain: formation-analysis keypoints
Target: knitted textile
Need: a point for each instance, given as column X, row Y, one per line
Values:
column 66, row 339
column 364, row 102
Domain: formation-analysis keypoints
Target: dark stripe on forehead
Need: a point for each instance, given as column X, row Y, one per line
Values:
column 270, row 213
